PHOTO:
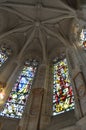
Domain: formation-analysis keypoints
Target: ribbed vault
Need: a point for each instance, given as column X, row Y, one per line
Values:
column 42, row 25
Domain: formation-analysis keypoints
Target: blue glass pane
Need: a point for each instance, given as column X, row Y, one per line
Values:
column 4, row 54
column 12, row 110
column 17, row 99
column 3, row 58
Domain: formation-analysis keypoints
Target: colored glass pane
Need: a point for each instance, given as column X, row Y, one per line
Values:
column 83, row 39
column 63, row 99
column 17, row 99
column 4, row 54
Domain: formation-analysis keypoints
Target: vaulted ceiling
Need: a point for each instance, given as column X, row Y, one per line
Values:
column 40, row 27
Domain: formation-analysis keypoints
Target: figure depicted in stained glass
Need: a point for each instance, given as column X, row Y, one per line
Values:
column 5, row 52
column 83, row 39
column 63, row 99
column 17, row 99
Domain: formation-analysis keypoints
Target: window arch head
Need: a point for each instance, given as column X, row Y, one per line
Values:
column 17, row 99
column 5, row 53
column 63, row 99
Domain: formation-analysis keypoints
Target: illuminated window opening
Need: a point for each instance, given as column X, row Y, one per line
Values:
column 63, row 98
column 17, row 99
column 5, row 52
column 83, row 39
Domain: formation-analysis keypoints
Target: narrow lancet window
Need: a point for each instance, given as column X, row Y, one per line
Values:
column 83, row 39
column 17, row 99
column 63, row 99
column 5, row 52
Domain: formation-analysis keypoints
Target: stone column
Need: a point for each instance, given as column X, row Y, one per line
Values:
column 78, row 82
column 31, row 117
column 46, row 111
column 35, row 110
column 1, row 125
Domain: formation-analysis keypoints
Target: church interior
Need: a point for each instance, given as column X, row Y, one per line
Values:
column 42, row 64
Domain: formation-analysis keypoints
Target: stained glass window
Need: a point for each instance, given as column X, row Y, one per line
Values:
column 63, row 99
column 17, row 99
column 5, row 52
column 83, row 39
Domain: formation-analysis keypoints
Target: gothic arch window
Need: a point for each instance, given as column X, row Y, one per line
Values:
column 17, row 99
column 5, row 53
column 63, row 99
column 83, row 38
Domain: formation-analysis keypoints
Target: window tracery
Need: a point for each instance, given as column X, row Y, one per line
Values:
column 17, row 99
column 63, row 99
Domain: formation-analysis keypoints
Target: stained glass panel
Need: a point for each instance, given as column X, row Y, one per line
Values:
column 17, row 99
column 83, row 39
column 5, row 52
column 63, row 99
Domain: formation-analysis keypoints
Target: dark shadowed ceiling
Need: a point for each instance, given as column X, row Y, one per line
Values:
column 40, row 26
